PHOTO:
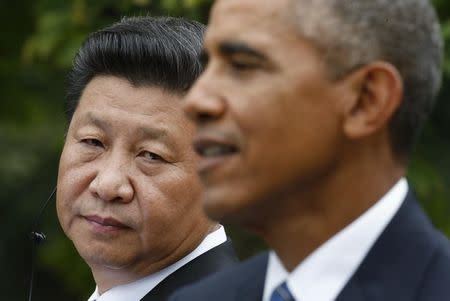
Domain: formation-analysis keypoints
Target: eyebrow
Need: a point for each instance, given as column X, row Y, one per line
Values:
column 154, row 133
column 235, row 48
column 158, row 134
column 91, row 118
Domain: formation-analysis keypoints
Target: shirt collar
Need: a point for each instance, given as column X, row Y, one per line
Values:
column 324, row 273
column 137, row 290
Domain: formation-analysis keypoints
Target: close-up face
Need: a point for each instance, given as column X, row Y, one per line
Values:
column 128, row 194
column 266, row 111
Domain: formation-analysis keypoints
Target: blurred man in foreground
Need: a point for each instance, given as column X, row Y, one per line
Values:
column 307, row 114
column 128, row 193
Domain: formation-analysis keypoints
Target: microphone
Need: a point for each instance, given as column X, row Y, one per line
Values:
column 37, row 238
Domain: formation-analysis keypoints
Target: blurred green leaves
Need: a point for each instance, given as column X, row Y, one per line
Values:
column 61, row 28
column 38, row 41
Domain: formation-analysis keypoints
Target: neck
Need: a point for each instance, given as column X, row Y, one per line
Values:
column 309, row 217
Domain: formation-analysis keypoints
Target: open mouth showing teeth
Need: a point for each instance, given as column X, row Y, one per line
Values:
column 214, row 149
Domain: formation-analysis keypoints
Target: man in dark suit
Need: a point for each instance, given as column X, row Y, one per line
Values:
column 128, row 192
column 307, row 114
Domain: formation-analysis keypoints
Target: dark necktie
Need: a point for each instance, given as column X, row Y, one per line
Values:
column 282, row 293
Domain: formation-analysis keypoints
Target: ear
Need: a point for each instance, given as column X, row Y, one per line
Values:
column 378, row 93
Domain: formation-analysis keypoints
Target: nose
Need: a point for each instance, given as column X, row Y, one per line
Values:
column 204, row 102
column 112, row 182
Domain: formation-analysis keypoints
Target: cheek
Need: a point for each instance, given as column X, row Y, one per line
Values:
column 257, row 108
column 287, row 131
column 169, row 202
column 64, row 202
column 73, row 181
column 76, row 171
column 181, row 184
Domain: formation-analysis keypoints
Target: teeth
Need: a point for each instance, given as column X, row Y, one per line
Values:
column 210, row 149
column 214, row 151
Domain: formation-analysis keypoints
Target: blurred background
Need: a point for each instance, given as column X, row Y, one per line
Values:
column 37, row 43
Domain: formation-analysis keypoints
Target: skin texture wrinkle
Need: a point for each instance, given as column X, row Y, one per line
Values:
column 128, row 194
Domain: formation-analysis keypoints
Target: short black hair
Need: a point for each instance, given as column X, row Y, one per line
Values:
column 150, row 51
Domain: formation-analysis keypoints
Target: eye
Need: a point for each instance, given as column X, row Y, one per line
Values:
column 242, row 66
column 92, row 142
column 149, row 156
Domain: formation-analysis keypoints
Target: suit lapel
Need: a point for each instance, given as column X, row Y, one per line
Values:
column 252, row 286
column 394, row 266
column 214, row 260
column 352, row 291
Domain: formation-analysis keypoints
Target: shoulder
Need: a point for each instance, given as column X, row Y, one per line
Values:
column 223, row 285
column 409, row 261
column 219, row 258
column 425, row 254
column 436, row 278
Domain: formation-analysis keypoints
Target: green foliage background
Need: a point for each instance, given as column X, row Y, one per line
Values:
column 37, row 42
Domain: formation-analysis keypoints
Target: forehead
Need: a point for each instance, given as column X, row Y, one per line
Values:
column 260, row 21
column 123, row 110
column 120, row 94
column 249, row 10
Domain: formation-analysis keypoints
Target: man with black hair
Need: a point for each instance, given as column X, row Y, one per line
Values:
column 128, row 194
column 307, row 114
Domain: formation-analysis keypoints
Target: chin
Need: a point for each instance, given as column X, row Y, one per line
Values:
column 95, row 255
column 105, row 260
column 232, row 207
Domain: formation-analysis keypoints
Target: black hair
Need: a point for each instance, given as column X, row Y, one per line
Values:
column 152, row 51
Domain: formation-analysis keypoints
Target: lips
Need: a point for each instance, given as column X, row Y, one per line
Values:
column 214, row 152
column 210, row 147
column 105, row 222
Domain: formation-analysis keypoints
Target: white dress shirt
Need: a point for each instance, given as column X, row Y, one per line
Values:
column 325, row 272
column 135, row 291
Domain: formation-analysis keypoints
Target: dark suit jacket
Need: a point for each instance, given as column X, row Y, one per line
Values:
column 409, row 261
column 216, row 259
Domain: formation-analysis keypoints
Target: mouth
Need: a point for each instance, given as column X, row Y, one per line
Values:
column 213, row 152
column 105, row 224
column 209, row 148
